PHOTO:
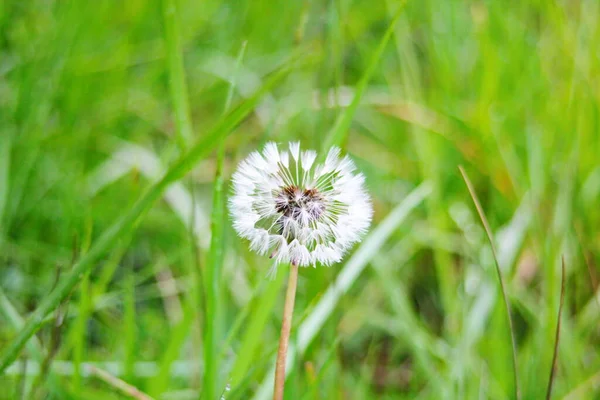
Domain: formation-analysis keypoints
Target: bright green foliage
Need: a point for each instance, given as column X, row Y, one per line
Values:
column 121, row 123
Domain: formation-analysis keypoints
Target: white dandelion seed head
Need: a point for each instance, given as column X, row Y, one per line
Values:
column 297, row 211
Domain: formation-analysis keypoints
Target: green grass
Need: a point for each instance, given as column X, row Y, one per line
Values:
column 120, row 125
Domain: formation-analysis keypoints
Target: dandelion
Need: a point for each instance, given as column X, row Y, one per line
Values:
column 298, row 211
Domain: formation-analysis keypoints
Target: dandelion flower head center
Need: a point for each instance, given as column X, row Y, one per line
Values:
column 296, row 210
column 293, row 202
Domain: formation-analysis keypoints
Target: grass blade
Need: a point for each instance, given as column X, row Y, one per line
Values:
column 263, row 308
column 79, row 331
column 588, row 264
column 132, row 157
column 118, row 384
column 11, row 314
column 177, row 337
column 214, row 301
column 5, row 140
column 179, row 96
column 128, row 220
column 340, row 130
column 488, row 232
column 33, row 346
column 587, row 387
column 557, row 338
column 129, row 324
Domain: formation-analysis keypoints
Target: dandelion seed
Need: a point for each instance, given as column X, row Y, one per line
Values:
column 297, row 211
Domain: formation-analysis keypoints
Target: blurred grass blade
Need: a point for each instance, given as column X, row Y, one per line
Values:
column 313, row 393
column 234, row 78
column 5, row 143
column 588, row 264
column 587, row 387
column 488, row 232
column 243, row 315
column 340, row 130
column 130, row 333
column 118, row 384
column 347, row 276
column 176, row 339
column 478, row 316
column 214, row 299
column 418, row 340
column 12, row 315
column 130, row 156
column 78, row 335
column 179, row 95
column 33, row 345
column 557, row 338
column 109, row 268
column 262, row 311
column 128, row 220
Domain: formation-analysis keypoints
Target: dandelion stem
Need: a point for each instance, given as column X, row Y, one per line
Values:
column 284, row 338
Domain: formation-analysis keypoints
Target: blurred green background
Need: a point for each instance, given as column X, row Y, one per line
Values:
column 99, row 99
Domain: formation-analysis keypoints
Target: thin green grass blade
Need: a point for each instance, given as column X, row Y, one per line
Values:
column 5, row 144
column 329, row 360
column 129, row 327
column 177, row 338
column 214, row 300
column 78, row 336
column 586, row 388
column 239, row 391
column 33, row 346
column 79, row 333
column 11, row 314
column 477, row 316
column 128, row 220
column 177, row 84
column 488, row 232
column 118, row 385
column 557, row 337
column 108, row 269
column 263, row 309
column 339, row 132
column 242, row 316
